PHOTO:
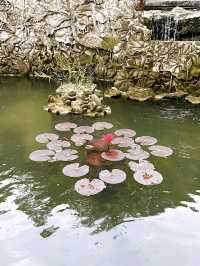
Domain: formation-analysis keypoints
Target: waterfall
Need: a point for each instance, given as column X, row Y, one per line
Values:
column 165, row 28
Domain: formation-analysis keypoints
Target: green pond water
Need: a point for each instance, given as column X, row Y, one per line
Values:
column 44, row 222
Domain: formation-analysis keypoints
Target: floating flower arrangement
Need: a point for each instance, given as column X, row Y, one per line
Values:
column 102, row 151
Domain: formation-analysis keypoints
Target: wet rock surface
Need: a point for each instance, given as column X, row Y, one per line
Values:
column 105, row 39
column 78, row 99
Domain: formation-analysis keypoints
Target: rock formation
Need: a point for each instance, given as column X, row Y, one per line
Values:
column 78, row 99
column 105, row 39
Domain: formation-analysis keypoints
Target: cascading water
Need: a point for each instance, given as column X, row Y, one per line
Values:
column 165, row 28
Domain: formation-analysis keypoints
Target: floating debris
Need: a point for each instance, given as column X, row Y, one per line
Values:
column 113, row 155
column 141, row 166
column 126, row 132
column 75, row 170
column 41, row 155
column 66, row 155
column 115, row 176
column 86, row 187
column 146, row 140
column 149, row 177
column 58, row 145
column 160, row 151
column 84, row 129
column 137, row 155
column 66, row 126
column 102, row 125
column 46, row 137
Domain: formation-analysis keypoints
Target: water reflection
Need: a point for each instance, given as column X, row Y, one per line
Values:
column 47, row 198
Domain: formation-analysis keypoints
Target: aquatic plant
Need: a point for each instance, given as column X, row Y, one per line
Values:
column 86, row 187
column 75, row 170
column 41, row 155
column 66, row 126
column 46, row 137
column 101, row 153
column 113, row 155
column 143, row 165
column 94, row 159
column 115, row 176
column 66, row 155
column 148, row 177
column 102, row 125
column 160, row 151
column 146, row 140
column 108, row 138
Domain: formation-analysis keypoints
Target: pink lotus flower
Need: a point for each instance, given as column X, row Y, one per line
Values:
column 108, row 137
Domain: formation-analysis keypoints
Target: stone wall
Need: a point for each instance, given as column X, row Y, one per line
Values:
column 106, row 39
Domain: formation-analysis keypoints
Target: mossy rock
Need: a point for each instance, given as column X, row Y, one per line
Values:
column 193, row 99
column 109, row 42
column 140, row 94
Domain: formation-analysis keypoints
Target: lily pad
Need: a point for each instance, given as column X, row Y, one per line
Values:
column 123, row 141
column 126, row 132
column 75, row 170
column 80, row 143
column 149, row 177
column 46, row 137
column 137, row 155
column 146, row 140
column 134, row 147
column 160, row 151
column 141, row 166
column 66, row 126
column 84, row 129
column 113, row 155
column 66, row 155
column 81, row 137
column 86, row 187
column 57, row 145
column 115, row 176
column 102, row 125
column 41, row 155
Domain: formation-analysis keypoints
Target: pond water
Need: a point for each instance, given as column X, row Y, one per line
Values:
column 43, row 221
